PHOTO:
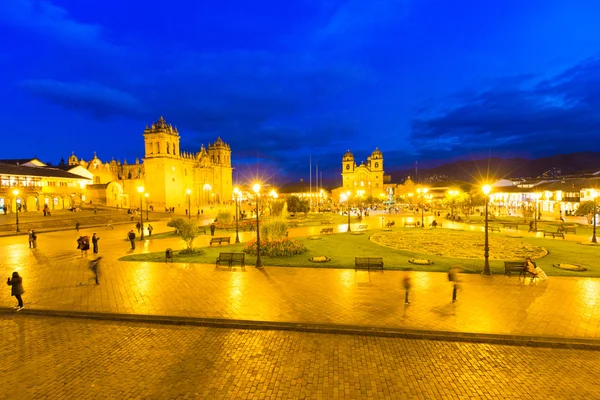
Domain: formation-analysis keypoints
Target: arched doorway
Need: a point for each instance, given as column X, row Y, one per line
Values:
column 32, row 203
column 115, row 196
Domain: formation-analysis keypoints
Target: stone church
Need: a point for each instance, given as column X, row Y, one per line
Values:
column 169, row 176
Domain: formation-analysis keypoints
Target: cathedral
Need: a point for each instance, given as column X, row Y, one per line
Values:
column 166, row 177
column 366, row 179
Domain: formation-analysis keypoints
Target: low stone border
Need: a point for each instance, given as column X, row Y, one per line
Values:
column 588, row 244
column 315, row 238
column 387, row 229
column 570, row 267
column 319, row 259
column 358, row 233
column 514, row 236
column 420, row 261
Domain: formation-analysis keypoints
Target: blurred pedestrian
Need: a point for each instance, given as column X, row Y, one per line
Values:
column 95, row 268
column 150, row 229
column 453, row 276
column 95, row 243
column 16, row 290
column 30, row 233
column 77, row 226
column 131, row 237
column 33, row 239
column 138, row 226
column 406, row 282
column 212, row 229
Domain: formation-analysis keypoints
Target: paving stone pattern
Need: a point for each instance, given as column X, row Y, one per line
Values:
column 56, row 277
column 58, row 358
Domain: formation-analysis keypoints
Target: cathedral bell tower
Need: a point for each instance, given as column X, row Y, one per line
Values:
column 348, row 167
column 161, row 140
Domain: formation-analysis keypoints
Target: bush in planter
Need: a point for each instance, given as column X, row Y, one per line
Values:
column 276, row 248
column 188, row 230
column 273, row 230
column 225, row 218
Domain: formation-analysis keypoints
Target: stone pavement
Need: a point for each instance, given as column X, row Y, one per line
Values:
column 57, row 278
column 58, row 358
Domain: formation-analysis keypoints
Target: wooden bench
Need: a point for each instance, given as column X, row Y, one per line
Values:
column 325, row 222
column 494, row 228
column 362, row 227
column 510, row 225
column 220, row 240
column 231, row 258
column 326, row 231
column 390, row 224
column 516, row 266
column 437, row 224
column 568, row 229
column 410, row 225
column 554, row 234
column 368, row 263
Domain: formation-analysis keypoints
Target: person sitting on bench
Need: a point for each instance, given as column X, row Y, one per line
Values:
column 534, row 270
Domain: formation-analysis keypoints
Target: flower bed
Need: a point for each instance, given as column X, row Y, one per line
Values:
column 319, row 259
column 570, row 267
column 276, row 248
column 420, row 261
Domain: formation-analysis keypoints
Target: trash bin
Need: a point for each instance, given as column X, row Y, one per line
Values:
column 169, row 255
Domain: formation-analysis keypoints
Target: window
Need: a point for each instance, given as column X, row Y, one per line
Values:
column 168, row 148
column 376, row 165
column 347, row 166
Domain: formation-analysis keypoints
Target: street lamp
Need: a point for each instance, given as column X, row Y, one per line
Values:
column 16, row 193
column 452, row 194
column 256, row 189
column 236, row 192
column 422, row 193
column 593, row 193
column 535, row 217
column 348, row 193
column 146, row 196
column 141, row 190
column 189, row 196
column 486, row 249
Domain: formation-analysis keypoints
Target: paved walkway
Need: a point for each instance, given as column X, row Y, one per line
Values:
column 60, row 358
column 57, row 278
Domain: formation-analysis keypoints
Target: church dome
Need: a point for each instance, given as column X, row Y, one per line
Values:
column 377, row 153
column 348, row 156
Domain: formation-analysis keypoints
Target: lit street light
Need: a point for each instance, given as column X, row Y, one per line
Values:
column 594, row 194
column 422, row 193
column 147, row 217
column 535, row 217
column 256, row 189
column 189, row 196
column 236, row 192
column 348, row 193
column 141, row 190
column 486, row 249
column 16, row 193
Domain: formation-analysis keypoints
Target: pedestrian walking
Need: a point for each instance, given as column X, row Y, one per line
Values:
column 95, row 268
column 138, row 226
column 131, row 237
column 453, row 276
column 33, row 239
column 95, row 243
column 212, row 229
column 16, row 289
column 150, row 229
column 30, row 233
column 77, row 226
column 406, row 283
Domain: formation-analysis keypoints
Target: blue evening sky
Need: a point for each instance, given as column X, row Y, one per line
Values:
column 426, row 80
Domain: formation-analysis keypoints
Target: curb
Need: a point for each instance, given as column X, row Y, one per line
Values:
column 42, row 231
column 403, row 333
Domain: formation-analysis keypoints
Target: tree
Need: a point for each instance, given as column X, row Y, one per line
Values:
column 586, row 209
column 297, row 205
column 188, row 230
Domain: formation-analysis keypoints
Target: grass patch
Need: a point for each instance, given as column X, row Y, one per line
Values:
column 342, row 248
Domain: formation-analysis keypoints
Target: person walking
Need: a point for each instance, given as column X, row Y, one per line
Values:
column 30, row 233
column 212, row 229
column 33, row 239
column 16, row 290
column 95, row 243
column 406, row 282
column 77, row 226
column 150, row 229
column 138, row 226
column 453, row 277
column 131, row 237
column 95, row 268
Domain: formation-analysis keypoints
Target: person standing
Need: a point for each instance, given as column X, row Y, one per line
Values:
column 138, row 226
column 131, row 237
column 406, row 282
column 212, row 229
column 95, row 268
column 16, row 290
column 77, row 226
column 150, row 229
column 30, row 233
column 95, row 243
column 33, row 239
column 453, row 277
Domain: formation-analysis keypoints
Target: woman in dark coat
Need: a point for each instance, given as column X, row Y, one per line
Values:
column 17, row 289
column 95, row 243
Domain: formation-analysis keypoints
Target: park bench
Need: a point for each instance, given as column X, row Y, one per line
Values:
column 325, row 222
column 494, row 228
column 568, row 229
column 326, row 231
column 368, row 263
column 554, row 234
column 437, row 224
column 510, row 225
column 220, row 240
column 516, row 266
column 390, row 224
column 231, row 258
column 410, row 225
column 362, row 227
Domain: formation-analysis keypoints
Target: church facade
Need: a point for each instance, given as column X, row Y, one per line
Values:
column 366, row 179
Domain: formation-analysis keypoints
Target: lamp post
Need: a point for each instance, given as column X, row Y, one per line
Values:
column 348, row 193
column 236, row 192
column 422, row 193
column 486, row 249
column 535, row 216
column 189, row 196
column 256, row 189
column 594, row 195
column 452, row 194
column 141, row 190
column 147, row 216
column 16, row 193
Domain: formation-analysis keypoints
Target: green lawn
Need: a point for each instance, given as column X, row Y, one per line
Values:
column 343, row 247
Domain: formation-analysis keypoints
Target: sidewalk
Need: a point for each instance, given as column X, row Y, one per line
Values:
column 57, row 278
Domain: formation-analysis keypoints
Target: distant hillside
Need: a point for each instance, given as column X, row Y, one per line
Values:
column 497, row 168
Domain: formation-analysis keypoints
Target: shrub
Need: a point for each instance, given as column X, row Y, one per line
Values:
column 273, row 230
column 225, row 217
column 276, row 248
column 188, row 230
